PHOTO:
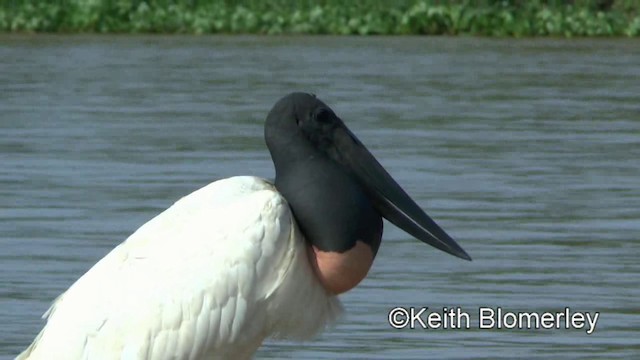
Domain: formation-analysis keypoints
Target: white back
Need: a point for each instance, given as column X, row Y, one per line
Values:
column 210, row 277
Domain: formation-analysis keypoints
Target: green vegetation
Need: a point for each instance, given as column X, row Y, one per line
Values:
column 364, row 17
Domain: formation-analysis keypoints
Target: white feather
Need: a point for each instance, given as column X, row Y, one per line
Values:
column 210, row 277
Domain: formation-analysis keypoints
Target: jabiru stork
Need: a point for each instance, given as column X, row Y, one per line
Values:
column 242, row 259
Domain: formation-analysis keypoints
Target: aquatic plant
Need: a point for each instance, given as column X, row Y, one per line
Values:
column 362, row 17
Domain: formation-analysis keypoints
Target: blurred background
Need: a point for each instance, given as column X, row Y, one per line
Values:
column 359, row 17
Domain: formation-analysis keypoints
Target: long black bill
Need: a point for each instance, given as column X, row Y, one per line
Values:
column 389, row 198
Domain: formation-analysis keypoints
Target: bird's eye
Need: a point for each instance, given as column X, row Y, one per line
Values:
column 323, row 116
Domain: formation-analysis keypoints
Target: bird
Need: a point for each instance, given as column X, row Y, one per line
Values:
column 243, row 258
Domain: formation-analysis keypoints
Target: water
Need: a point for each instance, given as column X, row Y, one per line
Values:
column 526, row 151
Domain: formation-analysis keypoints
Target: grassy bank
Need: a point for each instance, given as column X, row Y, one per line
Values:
column 364, row 17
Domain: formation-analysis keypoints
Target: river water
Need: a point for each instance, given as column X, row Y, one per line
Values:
column 525, row 151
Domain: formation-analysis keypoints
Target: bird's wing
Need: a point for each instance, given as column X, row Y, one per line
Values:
column 190, row 281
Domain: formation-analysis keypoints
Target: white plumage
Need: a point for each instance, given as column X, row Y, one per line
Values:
column 209, row 278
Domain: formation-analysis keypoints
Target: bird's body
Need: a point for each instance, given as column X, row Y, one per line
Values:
column 242, row 259
column 209, row 278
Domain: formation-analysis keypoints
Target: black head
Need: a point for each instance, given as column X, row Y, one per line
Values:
column 337, row 190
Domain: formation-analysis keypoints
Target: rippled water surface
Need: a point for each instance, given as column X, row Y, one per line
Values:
column 525, row 151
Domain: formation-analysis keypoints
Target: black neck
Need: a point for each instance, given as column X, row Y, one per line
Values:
column 331, row 208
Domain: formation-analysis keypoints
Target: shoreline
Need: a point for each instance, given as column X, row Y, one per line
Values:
column 507, row 19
